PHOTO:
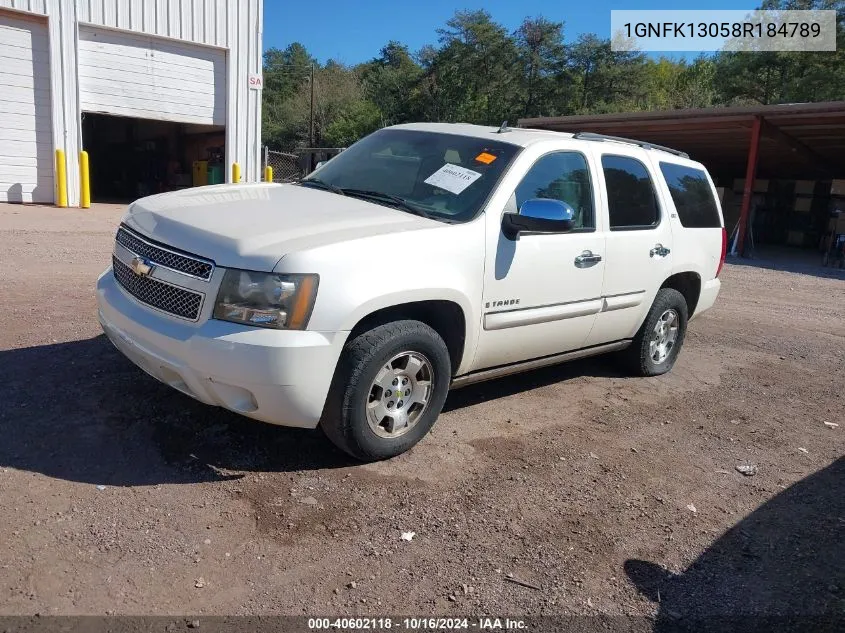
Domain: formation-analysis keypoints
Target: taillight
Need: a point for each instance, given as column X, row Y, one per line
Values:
column 724, row 251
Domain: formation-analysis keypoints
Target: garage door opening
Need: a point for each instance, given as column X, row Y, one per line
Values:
column 131, row 158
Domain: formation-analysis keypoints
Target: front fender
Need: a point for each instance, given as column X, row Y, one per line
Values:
column 359, row 277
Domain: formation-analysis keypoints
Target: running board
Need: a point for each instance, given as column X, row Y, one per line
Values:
column 536, row 363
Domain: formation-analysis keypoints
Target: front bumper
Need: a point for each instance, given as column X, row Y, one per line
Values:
column 276, row 376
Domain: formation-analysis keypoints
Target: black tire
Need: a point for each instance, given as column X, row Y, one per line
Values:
column 344, row 419
column 637, row 357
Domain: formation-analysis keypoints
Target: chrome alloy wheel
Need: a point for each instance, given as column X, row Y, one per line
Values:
column 399, row 394
column 663, row 336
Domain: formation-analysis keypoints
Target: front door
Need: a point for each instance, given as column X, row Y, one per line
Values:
column 542, row 291
column 639, row 245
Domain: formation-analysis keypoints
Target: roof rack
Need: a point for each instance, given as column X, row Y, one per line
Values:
column 592, row 136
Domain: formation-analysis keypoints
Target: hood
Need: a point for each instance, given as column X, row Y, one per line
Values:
column 253, row 226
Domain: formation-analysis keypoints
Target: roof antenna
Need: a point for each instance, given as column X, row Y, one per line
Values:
column 503, row 128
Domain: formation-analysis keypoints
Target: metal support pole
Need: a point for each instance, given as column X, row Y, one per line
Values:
column 311, row 118
column 750, row 176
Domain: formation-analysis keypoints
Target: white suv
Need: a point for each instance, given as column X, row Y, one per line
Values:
column 424, row 257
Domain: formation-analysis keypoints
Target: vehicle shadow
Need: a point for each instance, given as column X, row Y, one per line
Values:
column 784, row 260
column 782, row 568
column 82, row 412
column 596, row 366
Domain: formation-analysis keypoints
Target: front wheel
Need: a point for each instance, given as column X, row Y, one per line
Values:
column 389, row 387
column 658, row 342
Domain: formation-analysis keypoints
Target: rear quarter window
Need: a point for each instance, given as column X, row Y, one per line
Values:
column 692, row 195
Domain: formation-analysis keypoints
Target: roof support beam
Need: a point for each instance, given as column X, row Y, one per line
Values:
column 750, row 175
column 803, row 150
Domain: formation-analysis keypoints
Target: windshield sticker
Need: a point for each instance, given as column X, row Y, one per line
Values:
column 485, row 158
column 452, row 178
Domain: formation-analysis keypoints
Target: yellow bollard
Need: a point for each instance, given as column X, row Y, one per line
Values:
column 61, row 179
column 236, row 172
column 268, row 174
column 84, row 181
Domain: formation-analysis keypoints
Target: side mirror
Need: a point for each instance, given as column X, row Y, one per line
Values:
column 538, row 215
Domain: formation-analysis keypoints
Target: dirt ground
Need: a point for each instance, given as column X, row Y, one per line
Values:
column 601, row 492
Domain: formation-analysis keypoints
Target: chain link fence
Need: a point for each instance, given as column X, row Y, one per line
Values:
column 286, row 166
column 298, row 163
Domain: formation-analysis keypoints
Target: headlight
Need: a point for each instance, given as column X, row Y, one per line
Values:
column 266, row 299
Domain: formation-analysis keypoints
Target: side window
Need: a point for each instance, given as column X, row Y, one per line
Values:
column 561, row 176
column 631, row 199
column 692, row 196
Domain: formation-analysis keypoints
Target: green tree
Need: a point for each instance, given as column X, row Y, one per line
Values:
column 475, row 70
column 542, row 60
column 340, row 106
column 285, row 72
column 352, row 123
column 784, row 77
column 605, row 80
column 695, row 84
column 391, row 82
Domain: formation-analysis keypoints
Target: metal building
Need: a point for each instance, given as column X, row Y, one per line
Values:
column 153, row 90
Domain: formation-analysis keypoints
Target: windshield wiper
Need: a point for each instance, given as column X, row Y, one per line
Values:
column 321, row 184
column 390, row 199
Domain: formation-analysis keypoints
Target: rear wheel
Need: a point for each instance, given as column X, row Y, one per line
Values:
column 389, row 387
column 658, row 342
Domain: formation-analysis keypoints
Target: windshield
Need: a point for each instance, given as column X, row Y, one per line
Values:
column 443, row 176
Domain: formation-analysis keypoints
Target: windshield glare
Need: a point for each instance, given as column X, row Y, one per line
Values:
column 447, row 176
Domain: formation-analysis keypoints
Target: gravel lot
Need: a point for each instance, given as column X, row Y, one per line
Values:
column 120, row 495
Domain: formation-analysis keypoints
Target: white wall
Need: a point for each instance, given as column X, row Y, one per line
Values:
column 26, row 137
column 233, row 25
column 243, row 131
column 38, row 7
column 200, row 21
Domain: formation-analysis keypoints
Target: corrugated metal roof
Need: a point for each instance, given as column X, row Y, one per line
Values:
column 800, row 140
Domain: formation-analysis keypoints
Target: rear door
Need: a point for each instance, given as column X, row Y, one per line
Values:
column 639, row 245
column 696, row 219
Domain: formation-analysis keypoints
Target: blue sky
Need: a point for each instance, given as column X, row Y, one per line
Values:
column 353, row 32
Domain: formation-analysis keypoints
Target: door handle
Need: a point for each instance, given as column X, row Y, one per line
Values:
column 587, row 257
column 659, row 250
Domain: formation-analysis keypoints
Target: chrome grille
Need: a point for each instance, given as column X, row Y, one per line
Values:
column 182, row 263
column 176, row 301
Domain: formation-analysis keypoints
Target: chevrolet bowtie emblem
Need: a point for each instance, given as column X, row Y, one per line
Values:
column 141, row 267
